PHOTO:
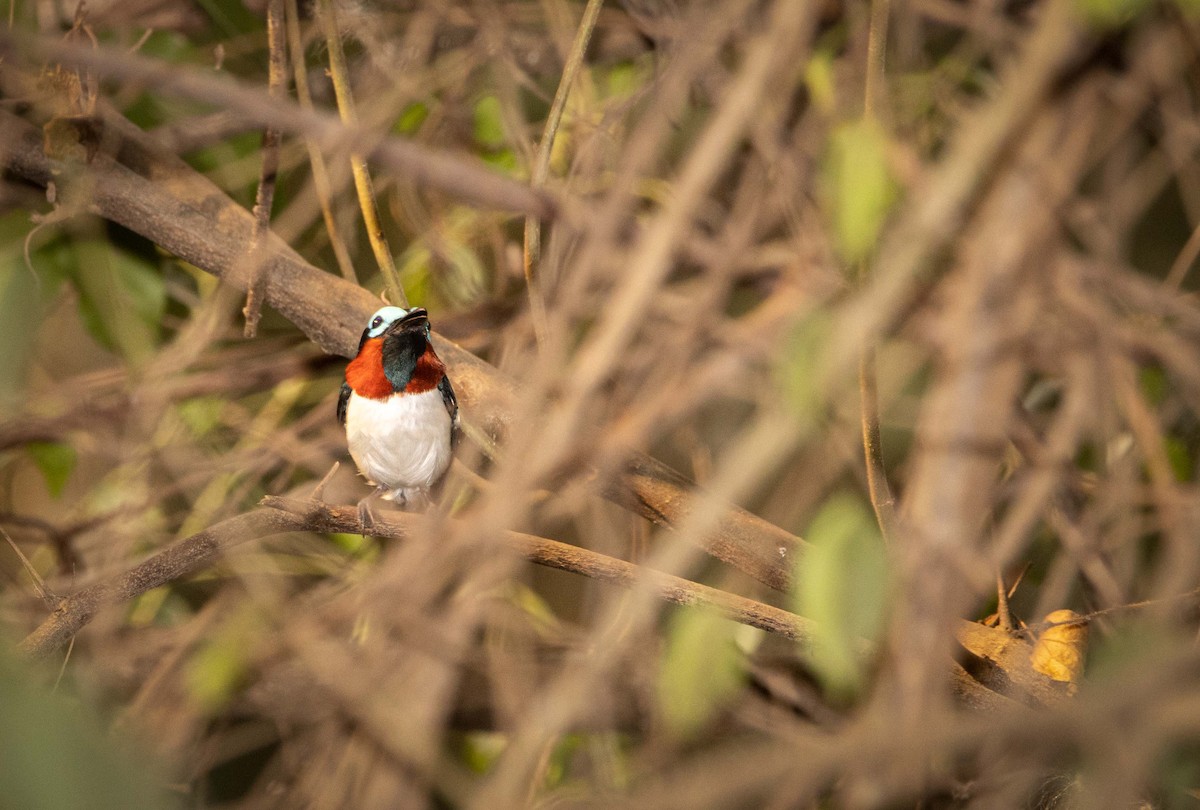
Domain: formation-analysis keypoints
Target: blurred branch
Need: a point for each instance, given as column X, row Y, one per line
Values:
column 171, row 204
column 188, row 134
column 882, row 499
column 322, row 517
column 340, row 74
column 320, row 173
column 464, row 178
column 541, row 164
column 264, row 198
column 942, row 204
column 179, row 560
column 962, row 429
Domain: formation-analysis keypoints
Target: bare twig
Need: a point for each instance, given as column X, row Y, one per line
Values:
column 880, row 491
column 265, row 196
column 320, row 172
column 340, row 74
column 188, row 555
column 541, row 164
column 39, row 584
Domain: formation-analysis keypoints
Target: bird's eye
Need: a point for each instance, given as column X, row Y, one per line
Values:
column 376, row 321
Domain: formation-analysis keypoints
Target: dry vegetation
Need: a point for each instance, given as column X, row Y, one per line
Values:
column 768, row 228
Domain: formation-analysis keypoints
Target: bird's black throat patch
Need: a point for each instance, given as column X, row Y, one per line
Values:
column 400, row 354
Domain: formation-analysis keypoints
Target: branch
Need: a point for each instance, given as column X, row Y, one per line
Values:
column 179, row 560
column 541, row 165
column 177, row 208
column 460, row 176
column 264, row 198
column 339, row 73
column 323, row 517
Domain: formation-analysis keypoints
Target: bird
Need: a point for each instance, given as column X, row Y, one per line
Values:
column 399, row 410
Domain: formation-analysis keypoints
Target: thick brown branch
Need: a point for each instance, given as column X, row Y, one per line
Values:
column 176, row 561
column 324, row 517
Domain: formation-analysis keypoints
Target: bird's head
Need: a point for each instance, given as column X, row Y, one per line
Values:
column 390, row 353
column 393, row 320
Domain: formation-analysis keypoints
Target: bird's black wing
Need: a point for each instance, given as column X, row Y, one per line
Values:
column 343, row 401
column 451, row 403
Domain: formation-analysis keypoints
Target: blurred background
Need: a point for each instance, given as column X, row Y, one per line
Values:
column 758, row 232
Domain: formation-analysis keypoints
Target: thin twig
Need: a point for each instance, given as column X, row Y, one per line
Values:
column 541, row 165
column 1003, row 613
column 265, row 196
column 320, row 173
column 882, row 500
column 39, row 584
column 340, row 74
column 553, row 554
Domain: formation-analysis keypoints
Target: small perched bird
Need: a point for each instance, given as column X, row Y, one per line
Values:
column 398, row 408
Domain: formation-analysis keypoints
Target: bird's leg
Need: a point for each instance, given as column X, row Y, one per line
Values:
column 365, row 518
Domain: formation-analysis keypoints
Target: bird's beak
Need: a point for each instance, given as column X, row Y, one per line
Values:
column 416, row 318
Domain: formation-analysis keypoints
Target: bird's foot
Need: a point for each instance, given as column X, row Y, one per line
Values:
column 366, row 521
column 366, row 518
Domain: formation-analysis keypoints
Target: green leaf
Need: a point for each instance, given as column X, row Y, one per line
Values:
column 539, row 613
column 624, row 78
column 480, row 750
column 1154, row 384
column 1179, row 457
column 489, row 124
column 356, row 545
column 1110, row 13
column 413, row 267
column 1131, row 649
column 201, row 414
column 701, row 669
column 219, row 668
column 841, row 584
column 801, row 366
column 411, row 118
column 55, row 460
column 20, row 316
column 819, row 80
column 54, row 753
column 859, row 187
column 121, row 297
column 231, row 16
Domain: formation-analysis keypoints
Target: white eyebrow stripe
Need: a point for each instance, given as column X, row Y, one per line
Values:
column 387, row 315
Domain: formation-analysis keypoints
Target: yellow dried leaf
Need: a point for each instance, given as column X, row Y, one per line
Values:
column 1060, row 649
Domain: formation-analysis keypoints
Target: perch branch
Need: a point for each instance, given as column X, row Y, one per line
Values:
column 73, row 612
column 324, row 517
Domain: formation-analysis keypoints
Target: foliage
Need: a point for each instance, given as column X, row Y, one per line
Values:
column 739, row 271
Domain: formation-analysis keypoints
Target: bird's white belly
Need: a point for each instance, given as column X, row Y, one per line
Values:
column 400, row 443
